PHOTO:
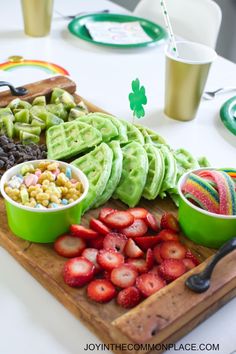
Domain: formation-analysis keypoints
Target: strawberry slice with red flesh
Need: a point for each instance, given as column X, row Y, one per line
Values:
column 124, row 276
column 138, row 213
column 191, row 256
column 132, row 250
column 145, row 242
column 99, row 227
column 189, row 264
column 168, row 235
column 101, row 290
column 149, row 259
column 109, row 259
column 137, row 229
column 129, row 297
column 151, row 222
column 104, row 212
column 83, row 232
column 155, row 270
column 69, row 246
column 119, row 219
column 96, row 243
column 157, row 254
column 139, row 264
column 169, row 221
column 115, row 241
column 78, row 271
column 172, row 249
column 91, row 255
column 171, row 269
column 149, row 284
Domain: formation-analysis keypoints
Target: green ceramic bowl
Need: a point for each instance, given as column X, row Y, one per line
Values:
column 202, row 227
column 42, row 225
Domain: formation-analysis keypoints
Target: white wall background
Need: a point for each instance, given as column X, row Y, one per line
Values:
column 226, row 45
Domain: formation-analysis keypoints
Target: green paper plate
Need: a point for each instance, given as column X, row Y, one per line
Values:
column 155, row 32
column 228, row 114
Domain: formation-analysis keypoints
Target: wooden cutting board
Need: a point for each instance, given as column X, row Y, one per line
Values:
column 162, row 318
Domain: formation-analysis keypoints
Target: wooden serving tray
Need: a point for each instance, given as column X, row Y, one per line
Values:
column 162, row 318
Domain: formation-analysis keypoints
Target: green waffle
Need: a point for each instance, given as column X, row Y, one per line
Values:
column 134, row 174
column 170, row 177
column 105, row 126
column 115, row 176
column 150, row 136
column 122, row 133
column 71, row 138
column 133, row 133
column 96, row 165
column 156, row 172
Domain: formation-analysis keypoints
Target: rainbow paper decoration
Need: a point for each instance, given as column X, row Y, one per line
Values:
column 50, row 68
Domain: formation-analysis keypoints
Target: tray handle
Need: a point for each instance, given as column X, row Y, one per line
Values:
column 201, row 282
column 15, row 91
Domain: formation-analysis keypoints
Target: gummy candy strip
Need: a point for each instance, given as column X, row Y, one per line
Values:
column 202, row 193
column 226, row 189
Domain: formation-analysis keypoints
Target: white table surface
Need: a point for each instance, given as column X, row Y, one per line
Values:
column 31, row 320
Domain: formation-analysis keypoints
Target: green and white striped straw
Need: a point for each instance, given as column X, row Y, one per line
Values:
column 169, row 27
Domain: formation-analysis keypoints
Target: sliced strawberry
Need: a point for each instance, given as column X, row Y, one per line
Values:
column 189, row 264
column 91, row 255
column 101, row 290
column 149, row 284
column 168, row 235
column 69, row 246
column 97, row 243
column 132, row 250
column 171, row 269
column 191, row 256
column 124, row 276
column 172, row 249
column 149, row 259
column 139, row 264
column 119, row 219
column 145, row 242
column 138, row 228
column 83, row 232
column 138, row 213
column 155, row 270
column 129, row 297
column 78, row 271
column 98, row 226
column 157, row 254
column 109, row 259
column 104, row 212
column 169, row 221
column 151, row 222
column 115, row 241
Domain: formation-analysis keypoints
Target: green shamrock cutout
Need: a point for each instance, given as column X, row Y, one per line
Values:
column 137, row 99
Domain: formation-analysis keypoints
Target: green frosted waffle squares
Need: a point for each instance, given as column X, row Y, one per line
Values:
column 71, row 138
column 150, row 136
column 134, row 174
column 156, row 172
column 96, row 165
column 115, row 175
column 105, row 126
column 133, row 133
column 122, row 133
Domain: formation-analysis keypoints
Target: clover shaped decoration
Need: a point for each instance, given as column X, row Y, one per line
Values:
column 137, row 99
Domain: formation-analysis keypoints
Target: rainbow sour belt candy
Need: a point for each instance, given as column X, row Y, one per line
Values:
column 202, row 193
column 212, row 190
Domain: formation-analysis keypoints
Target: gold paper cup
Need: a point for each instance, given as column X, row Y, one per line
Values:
column 37, row 16
column 186, row 76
